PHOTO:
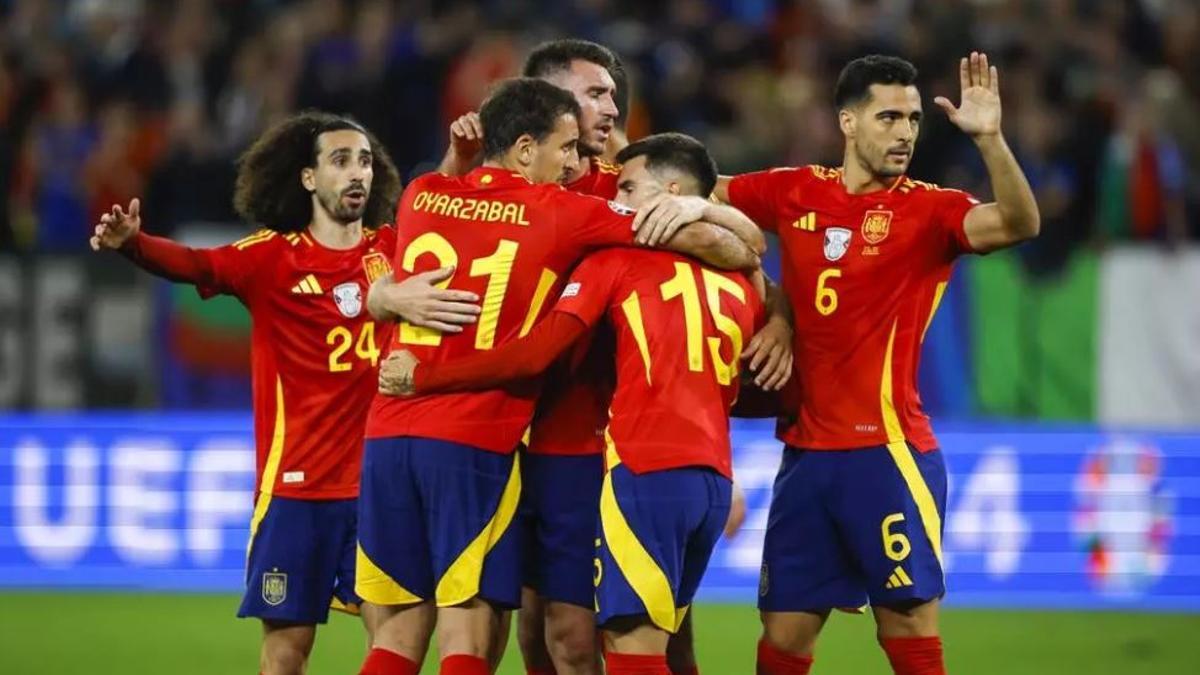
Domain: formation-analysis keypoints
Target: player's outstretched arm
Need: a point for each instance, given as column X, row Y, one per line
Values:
column 121, row 230
column 401, row 374
column 419, row 301
column 466, row 143
column 1013, row 217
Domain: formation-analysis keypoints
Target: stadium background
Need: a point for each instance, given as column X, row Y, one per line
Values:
column 1063, row 377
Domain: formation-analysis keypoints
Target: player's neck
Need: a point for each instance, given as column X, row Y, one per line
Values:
column 859, row 180
column 582, row 169
column 332, row 234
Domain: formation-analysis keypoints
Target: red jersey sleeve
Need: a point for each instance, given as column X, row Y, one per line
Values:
column 589, row 291
column 236, row 266
column 760, row 194
column 950, row 214
column 592, row 223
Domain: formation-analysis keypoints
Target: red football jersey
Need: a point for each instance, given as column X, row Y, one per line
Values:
column 864, row 274
column 680, row 327
column 600, row 181
column 573, row 409
column 512, row 242
column 314, row 352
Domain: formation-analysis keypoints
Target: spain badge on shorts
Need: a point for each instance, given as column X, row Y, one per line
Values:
column 875, row 226
column 274, row 587
column 376, row 265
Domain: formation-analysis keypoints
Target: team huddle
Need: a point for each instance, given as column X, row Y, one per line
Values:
column 508, row 387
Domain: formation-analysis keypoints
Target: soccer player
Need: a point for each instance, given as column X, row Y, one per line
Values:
column 440, row 484
column 562, row 468
column 666, row 493
column 857, row 508
column 322, row 188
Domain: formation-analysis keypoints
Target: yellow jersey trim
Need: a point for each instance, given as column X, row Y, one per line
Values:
column 267, row 487
column 375, row 586
column 638, row 567
column 460, row 583
column 902, row 455
column 545, row 283
column 937, row 300
column 633, row 312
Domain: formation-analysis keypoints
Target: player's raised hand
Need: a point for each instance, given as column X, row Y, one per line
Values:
column 661, row 217
column 396, row 373
column 466, row 135
column 116, row 227
column 979, row 113
column 422, row 301
column 770, row 354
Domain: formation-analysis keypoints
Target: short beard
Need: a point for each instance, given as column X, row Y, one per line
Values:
column 882, row 170
column 339, row 212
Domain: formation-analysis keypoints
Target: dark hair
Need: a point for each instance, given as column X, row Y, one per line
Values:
column 556, row 55
column 854, row 83
column 522, row 105
column 268, row 191
column 676, row 151
column 620, row 78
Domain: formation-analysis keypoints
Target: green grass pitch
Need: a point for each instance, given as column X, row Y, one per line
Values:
column 131, row 634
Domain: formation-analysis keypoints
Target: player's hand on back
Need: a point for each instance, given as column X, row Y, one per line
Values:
column 420, row 301
column 979, row 113
column 396, row 373
column 661, row 217
column 118, row 226
column 769, row 354
column 466, row 135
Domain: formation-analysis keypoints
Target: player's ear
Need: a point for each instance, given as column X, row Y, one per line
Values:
column 308, row 178
column 847, row 122
column 526, row 149
column 673, row 187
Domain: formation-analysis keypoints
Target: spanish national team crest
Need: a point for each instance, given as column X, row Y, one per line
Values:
column 875, row 226
column 837, row 241
column 274, row 588
column 376, row 265
column 348, row 298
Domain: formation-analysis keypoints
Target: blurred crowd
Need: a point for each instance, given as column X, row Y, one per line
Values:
column 103, row 100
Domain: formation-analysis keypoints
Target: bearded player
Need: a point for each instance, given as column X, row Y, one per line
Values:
column 857, row 509
column 440, row 481
column 679, row 330
column 563, row 466
column 322, row 188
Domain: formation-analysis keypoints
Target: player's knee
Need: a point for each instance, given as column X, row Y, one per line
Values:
column 791, row 633
column 916, row 619
column 285, row 652
column 572, row 642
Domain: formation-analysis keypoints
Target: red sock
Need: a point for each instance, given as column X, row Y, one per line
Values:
column 382, row 662
column 772, row 661
column 690, row 670
column 464, row 664
column 915, row 655
column 616, row 663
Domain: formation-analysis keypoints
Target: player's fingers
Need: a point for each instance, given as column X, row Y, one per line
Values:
column 440, row 326
column 995, row 78
column 450, row 317
column 464, row 308
column 759, row 359
column 434, row 276
column 945, row 104
column 135, row 207
column 476, row 125
column 964, row 73
column 749, row 351
column 645, row 212
column 985, row 71
column 455, row 296
column 95, row 243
